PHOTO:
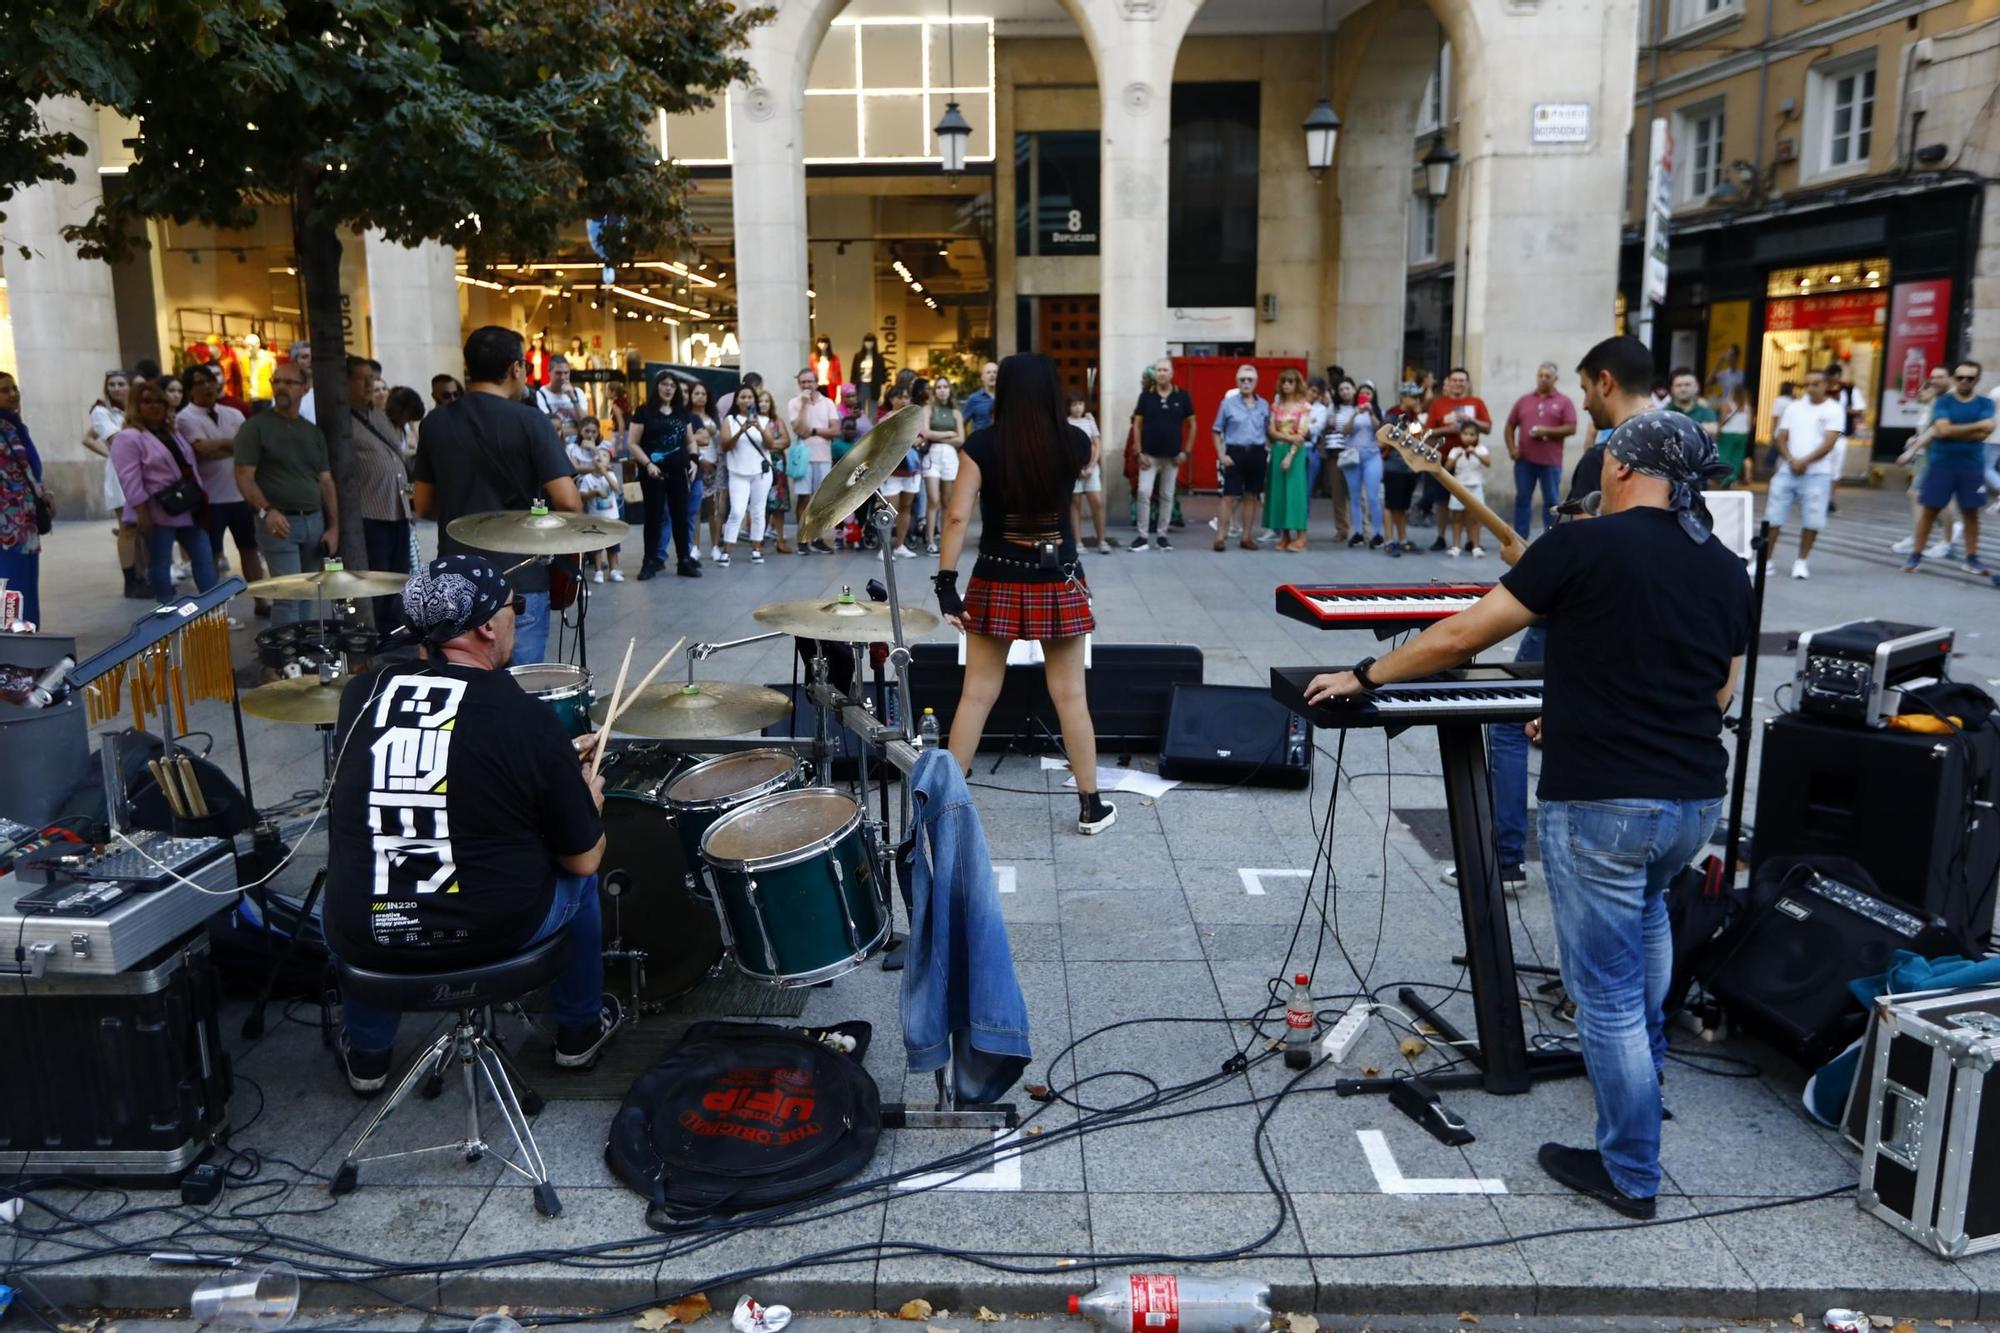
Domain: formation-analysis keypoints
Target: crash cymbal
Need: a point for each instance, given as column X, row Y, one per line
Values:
column 537, row 531
column 334, row 583
column 841, row 618
column 703, row 710
column 861, row 472
column 302, row 699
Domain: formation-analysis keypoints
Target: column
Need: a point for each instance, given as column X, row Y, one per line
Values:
column 65, row 320
column 413, row 311
column 768, row 185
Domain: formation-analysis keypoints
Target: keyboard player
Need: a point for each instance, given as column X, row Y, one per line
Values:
column 1647, row 618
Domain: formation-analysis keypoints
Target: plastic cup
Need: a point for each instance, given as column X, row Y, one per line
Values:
column 254, row 1300
column 495, row 1323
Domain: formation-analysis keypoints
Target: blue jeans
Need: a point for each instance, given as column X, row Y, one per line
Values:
column 1508, row 745
column 1549, row 476
column 1608, row 864
column 696, row 489
column 531, row 630
column 1364, row 485
column 297, row 553
column 160, row 558
column 575, row 995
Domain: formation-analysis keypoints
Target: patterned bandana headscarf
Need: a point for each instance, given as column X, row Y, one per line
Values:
column 1672, row 446
column 452, row 595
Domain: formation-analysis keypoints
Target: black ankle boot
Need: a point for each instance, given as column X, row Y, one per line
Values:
column 1094, row 813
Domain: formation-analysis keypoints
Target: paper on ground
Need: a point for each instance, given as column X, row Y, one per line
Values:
column 1150, row 785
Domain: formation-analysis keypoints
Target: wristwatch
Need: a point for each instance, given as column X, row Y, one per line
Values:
column 1361, row 673
column 261, row 513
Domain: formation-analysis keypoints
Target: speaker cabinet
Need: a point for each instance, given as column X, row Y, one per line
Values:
column 1129, row 687
column 1236, row 734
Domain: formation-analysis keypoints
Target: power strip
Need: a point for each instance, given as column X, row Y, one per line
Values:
column 1339, row 1043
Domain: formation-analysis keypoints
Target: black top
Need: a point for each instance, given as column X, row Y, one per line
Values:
column 663, row 432
column 1589, row 474
column 1008, row 531
column 1160, row 419
column 1642, row 624
column 429, row 892
column 483, row 453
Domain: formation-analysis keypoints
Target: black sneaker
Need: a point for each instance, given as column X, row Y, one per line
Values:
column 1095, row 815
column 1162, row 542
column 1375, row 541
column 1139, row 544
column 579, row 1047
column 647, row 570
column 366, row 1071
column 688, row 569
column 1357, row 539
column 822, row 547
column 1438, row 545
column 1513, row 878
column 1582, row 1170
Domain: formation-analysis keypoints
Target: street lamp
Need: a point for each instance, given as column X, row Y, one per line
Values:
column 953, row 131
column 1322, row 127
column 1437, row 164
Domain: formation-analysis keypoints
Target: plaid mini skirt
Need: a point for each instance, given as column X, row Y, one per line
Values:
column 1003, row 609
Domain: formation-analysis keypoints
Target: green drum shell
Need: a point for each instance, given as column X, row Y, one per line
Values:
column 565, row 689
column 799, row 915
column 693, row 816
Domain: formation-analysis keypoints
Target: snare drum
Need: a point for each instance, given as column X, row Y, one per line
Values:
column 562, row 687
column 795, row 881
column 667, row 941
column 708, row 791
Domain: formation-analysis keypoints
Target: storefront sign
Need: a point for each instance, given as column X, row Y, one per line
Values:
column 1659, row 218
column 1844, row 310
column 1073, row 231
column 1212, row 324
column 1917, row 316
column 1560, row 122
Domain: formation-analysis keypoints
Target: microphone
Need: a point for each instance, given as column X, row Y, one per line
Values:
column 1584, row 505
column 877, row 591
column 49, row 687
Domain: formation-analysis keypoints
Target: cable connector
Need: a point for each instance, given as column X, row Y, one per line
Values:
column 1236, row 1063
column 1339, row 1043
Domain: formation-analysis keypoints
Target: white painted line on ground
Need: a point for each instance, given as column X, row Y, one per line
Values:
column 1004, row 1174
column 1253, row 880
column 1003, row 878
column 1391, row 1179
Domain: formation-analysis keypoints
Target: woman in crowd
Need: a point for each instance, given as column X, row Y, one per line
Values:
column 1028, row 580
column 658, row 441
column 176, row 393
column 20, row 489
column 1090, row 486
column 163, row 495
column 1286, row 510
column 705, row 504
column 904, row 483
column 1399, row 483
column 946, row 432
column 107, row 418
column 381, row 481
column 749, row 435
column 404, row 407
column 1732, row 440
column 1354, row 426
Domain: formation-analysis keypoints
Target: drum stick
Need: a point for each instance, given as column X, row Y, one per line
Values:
column 622, row 705
column 617, row 693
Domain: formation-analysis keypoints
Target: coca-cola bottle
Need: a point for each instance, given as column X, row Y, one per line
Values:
column 1300, row 1024
column 1166, row 1303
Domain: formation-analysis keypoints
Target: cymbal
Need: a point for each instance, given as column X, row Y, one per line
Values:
column 537, row 531
column 842, row 618
column 302, row 699
column 703, row 710
column 333, row 584
column 861, row 471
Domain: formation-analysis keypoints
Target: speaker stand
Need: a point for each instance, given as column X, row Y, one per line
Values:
column 1747, row 699
column 1022, row 737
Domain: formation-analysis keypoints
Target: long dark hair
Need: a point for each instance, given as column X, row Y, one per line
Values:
column 673, row 400
column 1036, row 469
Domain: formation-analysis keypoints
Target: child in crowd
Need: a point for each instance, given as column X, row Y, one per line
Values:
column 1468, row 463
column 599, row 482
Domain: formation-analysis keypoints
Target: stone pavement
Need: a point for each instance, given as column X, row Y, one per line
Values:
column 1154, row 920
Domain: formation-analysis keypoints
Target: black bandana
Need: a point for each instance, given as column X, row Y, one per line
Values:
column 1674, row 447
column 452, row 595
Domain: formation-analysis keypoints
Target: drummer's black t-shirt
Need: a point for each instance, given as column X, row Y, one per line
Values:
column 483, row 453
column 454, row 792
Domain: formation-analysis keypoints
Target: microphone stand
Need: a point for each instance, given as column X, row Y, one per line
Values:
column 1745, row 731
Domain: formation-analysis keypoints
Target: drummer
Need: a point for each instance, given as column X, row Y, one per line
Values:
column 461, row 828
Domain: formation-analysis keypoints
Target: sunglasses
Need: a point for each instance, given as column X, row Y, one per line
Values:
column 1966, row 379
column 518, row 604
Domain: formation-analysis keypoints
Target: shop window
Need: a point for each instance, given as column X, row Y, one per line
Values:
column 1840, row 115
column 1212, row 195
column 1057, row 177
column 1692, row 15
column 1433, row 111
column 1698, row 147
column 1423, row 228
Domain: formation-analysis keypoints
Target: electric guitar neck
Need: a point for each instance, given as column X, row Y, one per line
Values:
column 1423, row 456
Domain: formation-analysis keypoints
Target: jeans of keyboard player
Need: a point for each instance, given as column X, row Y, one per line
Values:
column 575, row 995
column 1608, row 865
column 531, row 630
column 1508, row 745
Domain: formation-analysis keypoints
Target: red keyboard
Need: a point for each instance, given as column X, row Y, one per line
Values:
column 1385, row 608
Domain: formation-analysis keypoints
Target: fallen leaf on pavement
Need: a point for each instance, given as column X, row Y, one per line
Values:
column 652, row 1320
column 1412, row 1047
column 916, row 1309
column 1467, row 1317
column 1303, row 1323
column 986, row 1316
column 1904, row 1326
column 1798, row 1321
column 1370, row 1071
column 689, row 1308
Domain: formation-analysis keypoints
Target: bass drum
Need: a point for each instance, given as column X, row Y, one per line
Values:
column 640, row 881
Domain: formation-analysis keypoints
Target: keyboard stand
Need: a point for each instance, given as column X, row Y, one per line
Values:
column 1503, row 1064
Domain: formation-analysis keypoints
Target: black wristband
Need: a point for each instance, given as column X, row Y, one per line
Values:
column 1361, row 673
column 945, row 584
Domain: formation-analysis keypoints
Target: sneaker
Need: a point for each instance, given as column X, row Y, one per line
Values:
column 578, row 1047
column 1162, row 542
column 1395, row 550
column 182, row 570
column 1451, row 551
column 822, row 547
column 1799, row 570
column 1905, row 546
column 1268, row 535
column 1937, row 550
column 1098, row 816
column 756, row 555
column 722, row 558
column 597, row 576
column 366, row 1071
column 1438, row 545
column 715, row 554
column 1479, row 553
column 1104, row 548
column 1376, row 540
column 1139, row 544
column 1357, row 540
column 1770, row 569
column 617, row 576
column 688, row 569
column 1513, row 878
column 1910, row 565
column 902, row 553
column 1974, row 565
column 931, row 549
column 1583, row 1171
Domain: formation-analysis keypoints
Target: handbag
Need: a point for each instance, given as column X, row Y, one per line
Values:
column 45, row 514
column 183, row 497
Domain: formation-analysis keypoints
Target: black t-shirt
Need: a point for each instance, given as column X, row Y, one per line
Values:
column 1642, row 624
column 1589, row 474
column 1009, row 528
column 1160, row 419
column 662, row 432
column 484, row 453
column 454, row 794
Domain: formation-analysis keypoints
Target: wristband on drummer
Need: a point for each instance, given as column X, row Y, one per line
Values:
column 945, row 582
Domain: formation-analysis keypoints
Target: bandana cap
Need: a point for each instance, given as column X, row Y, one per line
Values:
column 1673, row 447
column 452, row 595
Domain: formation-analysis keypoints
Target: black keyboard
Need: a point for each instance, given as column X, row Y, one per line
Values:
column 1510, row 692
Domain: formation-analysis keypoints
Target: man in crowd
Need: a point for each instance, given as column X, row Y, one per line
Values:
column 282, row 470
column 490, row 451
column 445, row 389
column 211, row 428
column 1535, row 431
column 978, row 406
column 1242, row 433
column 1684, row 397
column 1447, row 412
column 1805, row 440
column 1647, row 618
column 1163, row 421
column 727, row 403
column 559, row 398
column 463, row 826
column 381, row 480
column 815, row 419
column 302, row 361
column 1960, row 422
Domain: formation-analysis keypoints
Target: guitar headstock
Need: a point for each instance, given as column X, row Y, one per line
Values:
column 1417, row 450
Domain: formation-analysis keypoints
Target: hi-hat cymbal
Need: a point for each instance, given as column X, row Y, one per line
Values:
column 701, row 711
column 537, row 531
column 861, row 472
column 302, row 699
column 842, row 618
column 333, row 584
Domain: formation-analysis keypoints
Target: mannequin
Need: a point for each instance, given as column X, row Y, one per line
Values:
column 827, row 366
column 538, row 361
column 253, row 377
column 870, row 372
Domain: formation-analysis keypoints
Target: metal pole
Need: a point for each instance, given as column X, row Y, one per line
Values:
column 1745, row 726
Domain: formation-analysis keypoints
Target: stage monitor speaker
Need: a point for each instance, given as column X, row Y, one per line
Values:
column 1236, row 734
column 1129, row 687
column 1783, row 969
column 847, row 745
column 1917, row 812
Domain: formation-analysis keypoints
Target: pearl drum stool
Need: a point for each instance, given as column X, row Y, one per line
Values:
column 482, row 1058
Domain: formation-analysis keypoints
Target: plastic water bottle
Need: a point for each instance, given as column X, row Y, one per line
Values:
column 1300, row 1024
column 927, row 730
column 1166, row 1303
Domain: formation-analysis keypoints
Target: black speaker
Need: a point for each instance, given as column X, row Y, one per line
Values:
column 1237, row 734
column 1783, row 968
column 1129, row 687
column 1917, row 812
